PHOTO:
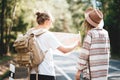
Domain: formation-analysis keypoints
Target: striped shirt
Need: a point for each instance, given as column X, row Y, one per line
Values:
column 96, row 49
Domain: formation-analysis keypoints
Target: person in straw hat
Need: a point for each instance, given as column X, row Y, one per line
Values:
column 93, row 60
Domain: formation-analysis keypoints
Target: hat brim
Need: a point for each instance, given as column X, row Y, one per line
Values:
column 88, row 11
column 88, row 19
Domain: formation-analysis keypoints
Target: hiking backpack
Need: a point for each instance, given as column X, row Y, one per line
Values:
column 29, row 53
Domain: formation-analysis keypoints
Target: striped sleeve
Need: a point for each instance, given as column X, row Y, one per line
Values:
column 84, row 53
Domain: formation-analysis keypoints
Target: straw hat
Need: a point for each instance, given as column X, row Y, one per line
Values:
column 93, row 16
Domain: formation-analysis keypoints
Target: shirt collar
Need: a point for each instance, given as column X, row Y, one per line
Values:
column 101, row 25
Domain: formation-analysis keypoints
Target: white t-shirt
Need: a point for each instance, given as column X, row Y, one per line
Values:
column 47, row 41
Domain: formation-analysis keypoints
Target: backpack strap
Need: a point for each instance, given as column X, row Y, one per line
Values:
column 36, row 32
column 39, row 32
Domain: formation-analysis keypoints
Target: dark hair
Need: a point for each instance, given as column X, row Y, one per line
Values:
column 42, row 17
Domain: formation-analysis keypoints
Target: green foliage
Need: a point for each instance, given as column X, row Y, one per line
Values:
column 77, row 9
column 5, row 75
column 20, row 16
column 4, row 59
column 9, row 20
column 19, row 25
column 113, row 22
column 111, row 11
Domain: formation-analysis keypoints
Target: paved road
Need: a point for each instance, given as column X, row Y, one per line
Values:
column 65, row 67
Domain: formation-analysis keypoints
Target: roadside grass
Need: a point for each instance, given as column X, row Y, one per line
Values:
column 4, row 61
column 5, row 75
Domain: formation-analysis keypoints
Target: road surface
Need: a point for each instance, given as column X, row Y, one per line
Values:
column 65, row 67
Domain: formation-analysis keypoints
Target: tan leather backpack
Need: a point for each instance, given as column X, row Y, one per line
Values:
column 29, row 53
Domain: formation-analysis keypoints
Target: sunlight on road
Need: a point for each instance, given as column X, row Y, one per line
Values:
column 67, row 63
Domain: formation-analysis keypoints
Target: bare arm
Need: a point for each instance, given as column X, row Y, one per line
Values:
column 66, row 49
column 77, row 76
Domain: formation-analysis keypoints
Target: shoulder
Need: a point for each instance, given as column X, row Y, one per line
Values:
column 90, row 32
column 29, row 30
column 93, row 33
column 98, row 32
column 104, row 30
column 48, row 34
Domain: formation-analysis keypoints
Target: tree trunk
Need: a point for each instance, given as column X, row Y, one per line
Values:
column 2, row 48
column 9, row 28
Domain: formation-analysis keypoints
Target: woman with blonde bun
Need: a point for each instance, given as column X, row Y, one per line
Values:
column 49, row 43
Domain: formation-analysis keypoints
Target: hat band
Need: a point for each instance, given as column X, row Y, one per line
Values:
column 91, row 21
